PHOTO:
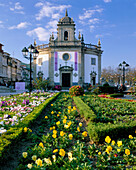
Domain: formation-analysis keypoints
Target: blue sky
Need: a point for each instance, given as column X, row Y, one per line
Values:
column 113, row 21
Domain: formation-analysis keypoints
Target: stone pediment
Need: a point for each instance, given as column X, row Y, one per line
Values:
column 66, row 68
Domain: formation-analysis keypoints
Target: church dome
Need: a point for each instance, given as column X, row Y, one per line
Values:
column 66, row 19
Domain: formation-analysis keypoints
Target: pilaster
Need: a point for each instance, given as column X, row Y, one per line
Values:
column 99, row 67
column 51, row 68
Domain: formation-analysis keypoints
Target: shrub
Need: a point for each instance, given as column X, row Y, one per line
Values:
column 117, row 95
column 57, row 87
column 76, row 91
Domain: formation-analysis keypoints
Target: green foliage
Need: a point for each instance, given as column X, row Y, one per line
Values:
column 14, row 133
column 117, row 95
column 113, row 118
column 84, row 109
column 106, row 84
column 99, row 131
column 76, row 91
column 41, row 84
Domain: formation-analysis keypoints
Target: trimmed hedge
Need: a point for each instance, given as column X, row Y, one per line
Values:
column 84, row 109
column 13, row 133
column 117, row 95
column 98, row 131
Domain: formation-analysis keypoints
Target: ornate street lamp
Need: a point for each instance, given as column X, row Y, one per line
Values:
column 33, row 55
column 123, row 67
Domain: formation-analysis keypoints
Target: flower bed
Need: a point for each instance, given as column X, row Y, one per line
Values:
column 115, row 154
column 62, row 145
column 21, row 115
column 65, row 145
column 110, row 117
column 61, row 142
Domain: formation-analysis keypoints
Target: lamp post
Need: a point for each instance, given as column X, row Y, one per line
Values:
column 33, row 55
column 123, row 67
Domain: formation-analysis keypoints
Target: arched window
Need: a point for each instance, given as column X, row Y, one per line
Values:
column 65, row 35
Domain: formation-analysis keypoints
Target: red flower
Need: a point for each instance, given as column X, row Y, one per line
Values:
column 115, row 155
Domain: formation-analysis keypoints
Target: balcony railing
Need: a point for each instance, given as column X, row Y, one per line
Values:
column 42, row 46
column 91, row 46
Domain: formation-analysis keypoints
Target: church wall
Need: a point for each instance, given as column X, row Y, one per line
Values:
column 88, row 68
column 44, row 66
column 61, row 63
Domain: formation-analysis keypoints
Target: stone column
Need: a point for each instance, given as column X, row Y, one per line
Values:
column 79, row 68
column 51, row 68
column 82, row 67
column 99, row 67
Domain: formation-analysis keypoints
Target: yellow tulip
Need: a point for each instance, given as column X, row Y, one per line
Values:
column 62, row 152
column 84, row 134
column 57, row 123
column 24, row 154
column 70, row 136
column 127, row 151
column 64, row 121
column 107, row 139
column 119, row 143
column 78, row 129
column 56, row 150
column 25, row 129
column 29, row 166
column 80, row 124
column 54, row 135
column 62, row 133
column 46, row 117
column 34, row 157
column 41, row 144
column 130, row 137
column 38, row 162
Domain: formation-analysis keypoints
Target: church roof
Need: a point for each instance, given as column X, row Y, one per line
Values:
column 66, row 19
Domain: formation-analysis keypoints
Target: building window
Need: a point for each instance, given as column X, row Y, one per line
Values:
column 66, row 56
column 93, row 61
column 65, row 35
column 40, row 61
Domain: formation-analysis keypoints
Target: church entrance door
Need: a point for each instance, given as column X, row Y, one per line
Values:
column 65, row 79
column 93, row 81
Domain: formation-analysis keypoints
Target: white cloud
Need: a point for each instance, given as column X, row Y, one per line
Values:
column 92, row 27
column 17, row 8
column 39, row 4
column 52, row 24
column 41, row 33
column 89, row 17
column 22, row 25
column 50, row 10
column 1, row 24
column 89, row 13
column 2, row 4
column 94, row 21
column 99, row 35
column 102, row 35
column 106, row 1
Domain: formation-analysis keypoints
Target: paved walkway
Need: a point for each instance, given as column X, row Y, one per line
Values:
column 12, row 93
column 129, row 97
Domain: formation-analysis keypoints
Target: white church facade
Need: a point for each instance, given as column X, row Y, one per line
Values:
column 66, row 60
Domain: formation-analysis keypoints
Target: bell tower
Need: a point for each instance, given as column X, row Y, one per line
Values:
column 66, row 29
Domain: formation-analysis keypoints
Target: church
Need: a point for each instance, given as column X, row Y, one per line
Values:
column 67, row 60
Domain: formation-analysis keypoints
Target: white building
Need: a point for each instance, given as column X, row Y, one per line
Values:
column 66, row 60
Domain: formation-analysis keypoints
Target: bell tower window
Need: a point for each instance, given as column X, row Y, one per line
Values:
column 65, row 35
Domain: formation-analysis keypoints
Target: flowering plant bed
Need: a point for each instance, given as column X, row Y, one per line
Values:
column 60, row 141
column 107, row 117
column 18, row 112
column 62, row 144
